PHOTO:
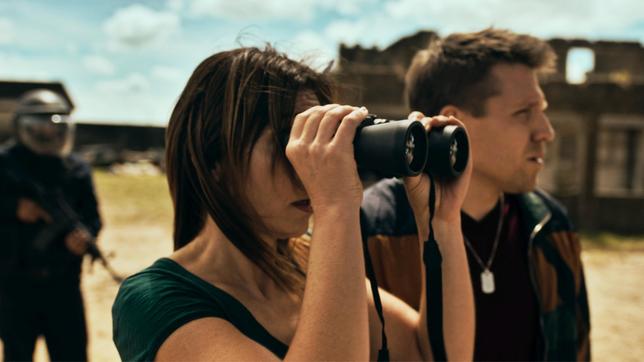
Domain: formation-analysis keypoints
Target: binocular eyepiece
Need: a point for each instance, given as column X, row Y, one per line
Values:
column 393, row 148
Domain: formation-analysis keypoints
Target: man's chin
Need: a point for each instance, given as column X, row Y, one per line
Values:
column 520, row 188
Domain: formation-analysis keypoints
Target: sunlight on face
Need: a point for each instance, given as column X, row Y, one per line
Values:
column 509, row 141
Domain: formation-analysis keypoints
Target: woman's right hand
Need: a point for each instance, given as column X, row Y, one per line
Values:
column 321, row 151
column 320, row 148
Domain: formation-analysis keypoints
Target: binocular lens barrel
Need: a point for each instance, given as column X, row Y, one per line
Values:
column 403, row 148
column 447, row 152
column 391, row 148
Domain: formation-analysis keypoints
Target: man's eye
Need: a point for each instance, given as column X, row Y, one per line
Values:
column 524, row 113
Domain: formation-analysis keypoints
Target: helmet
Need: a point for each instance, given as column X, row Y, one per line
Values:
column 42, row 123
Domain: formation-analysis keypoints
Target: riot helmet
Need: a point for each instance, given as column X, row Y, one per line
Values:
column 43, row 123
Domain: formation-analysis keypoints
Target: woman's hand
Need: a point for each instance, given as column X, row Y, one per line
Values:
column 320, row 148
column 449, row 196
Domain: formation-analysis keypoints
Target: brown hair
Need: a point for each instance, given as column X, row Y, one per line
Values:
column 229, row 100
column 456, row 69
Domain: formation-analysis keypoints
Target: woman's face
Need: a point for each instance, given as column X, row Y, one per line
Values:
column 282, row 205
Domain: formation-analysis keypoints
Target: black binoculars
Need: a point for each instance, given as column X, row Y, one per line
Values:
column 395, row 148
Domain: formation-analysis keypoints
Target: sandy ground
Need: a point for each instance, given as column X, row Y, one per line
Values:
column 615, row 278
column 615, row 281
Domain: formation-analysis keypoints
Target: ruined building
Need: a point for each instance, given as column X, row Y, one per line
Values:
column 596, row 164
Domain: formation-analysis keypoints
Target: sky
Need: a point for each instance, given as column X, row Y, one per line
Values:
column 127, row 61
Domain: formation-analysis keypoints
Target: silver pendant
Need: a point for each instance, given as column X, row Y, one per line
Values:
column 487, row 282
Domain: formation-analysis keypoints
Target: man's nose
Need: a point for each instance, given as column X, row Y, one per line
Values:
column 543, row 131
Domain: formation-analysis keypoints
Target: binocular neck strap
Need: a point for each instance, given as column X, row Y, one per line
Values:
column 434, row 284
column 383, row 352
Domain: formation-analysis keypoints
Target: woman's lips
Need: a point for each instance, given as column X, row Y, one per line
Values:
column 304, row 205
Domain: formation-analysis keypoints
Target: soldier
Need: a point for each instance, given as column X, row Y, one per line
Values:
column 48, row 216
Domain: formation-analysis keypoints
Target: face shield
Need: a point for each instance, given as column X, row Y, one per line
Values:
column 46, row 134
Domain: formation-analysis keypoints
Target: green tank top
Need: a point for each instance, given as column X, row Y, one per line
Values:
column 155, row 302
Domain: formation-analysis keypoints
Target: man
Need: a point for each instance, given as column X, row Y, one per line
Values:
column 48, row 215
column 523, row 254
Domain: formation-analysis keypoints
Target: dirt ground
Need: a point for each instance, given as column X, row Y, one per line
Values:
column 615, row 281
column 137, row 217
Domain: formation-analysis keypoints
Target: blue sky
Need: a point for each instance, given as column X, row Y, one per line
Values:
column 127, row 61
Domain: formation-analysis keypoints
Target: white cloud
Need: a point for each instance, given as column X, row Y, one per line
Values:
column 137, row 26
column 128, row 100
column 99, row 64
column 291, row 10
column 175, row 5
column 17, row 67
column 311, row 47
column 348, row 32
column 309, row 29
column 375, row 31
column 140, row 108
column 71, row 48
column 547, row 18
column 388, row 22
column 6, row 31
column 344, row 7
column 246, row 10
column 133, row 83
column 169, row 74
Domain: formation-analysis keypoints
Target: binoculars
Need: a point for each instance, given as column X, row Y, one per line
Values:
column 395, row 148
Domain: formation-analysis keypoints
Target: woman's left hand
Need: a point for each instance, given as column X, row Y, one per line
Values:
column 450, row 195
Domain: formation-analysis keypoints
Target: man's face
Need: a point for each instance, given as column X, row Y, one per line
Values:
column 509, row 140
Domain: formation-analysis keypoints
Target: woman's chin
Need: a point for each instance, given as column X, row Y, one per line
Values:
column 295, row 232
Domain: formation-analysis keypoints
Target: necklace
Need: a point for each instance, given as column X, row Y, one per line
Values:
column 487, row 277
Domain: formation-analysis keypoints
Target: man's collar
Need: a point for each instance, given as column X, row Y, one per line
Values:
column 533, row 210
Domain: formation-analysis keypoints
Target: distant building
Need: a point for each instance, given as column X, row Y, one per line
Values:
column 596, row 164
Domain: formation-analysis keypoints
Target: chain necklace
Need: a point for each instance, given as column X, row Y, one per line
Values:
column 487, row 277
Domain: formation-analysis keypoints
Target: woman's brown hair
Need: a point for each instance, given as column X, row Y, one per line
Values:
column 229, row 100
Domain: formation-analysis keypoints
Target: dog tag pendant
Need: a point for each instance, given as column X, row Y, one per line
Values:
column 487, row 282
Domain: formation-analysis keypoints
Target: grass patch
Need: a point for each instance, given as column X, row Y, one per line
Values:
column 607, row 240
column 133, row 199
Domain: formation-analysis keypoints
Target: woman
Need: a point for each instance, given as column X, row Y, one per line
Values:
column 254, row 148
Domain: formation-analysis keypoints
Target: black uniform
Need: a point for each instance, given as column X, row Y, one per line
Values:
column 39, row 277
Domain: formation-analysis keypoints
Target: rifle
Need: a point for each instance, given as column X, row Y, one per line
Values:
column 64, row 219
